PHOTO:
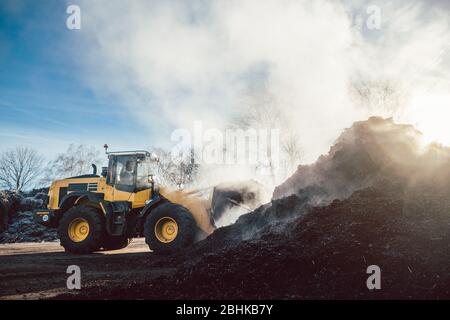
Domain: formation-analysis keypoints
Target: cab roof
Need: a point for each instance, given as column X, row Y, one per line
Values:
column 129, row 153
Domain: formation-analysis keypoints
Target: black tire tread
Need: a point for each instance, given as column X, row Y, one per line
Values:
column 96, row 233
column 186, row 224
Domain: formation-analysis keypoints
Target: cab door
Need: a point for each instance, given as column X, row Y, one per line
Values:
column 143, row 185
column 127, row 181
column 121, row 178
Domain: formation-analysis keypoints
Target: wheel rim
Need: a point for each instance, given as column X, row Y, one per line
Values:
column 78, row 230
column 166, row 229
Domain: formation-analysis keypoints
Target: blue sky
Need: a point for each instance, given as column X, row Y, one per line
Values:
column 44, row 102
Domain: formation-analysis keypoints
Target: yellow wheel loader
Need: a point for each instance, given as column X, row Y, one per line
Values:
column 94, row 212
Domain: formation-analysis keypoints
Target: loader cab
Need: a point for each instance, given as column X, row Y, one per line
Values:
column 130, row 171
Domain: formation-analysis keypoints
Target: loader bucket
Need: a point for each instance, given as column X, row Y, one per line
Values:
column 235, row 199
column 224, row 199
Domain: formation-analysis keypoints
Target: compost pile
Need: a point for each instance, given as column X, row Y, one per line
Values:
column 9, row 204
column 17, row 218
column 23, row 228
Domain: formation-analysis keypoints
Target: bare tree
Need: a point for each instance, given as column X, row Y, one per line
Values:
column 75, row 161
column 178, row 172
column 263, row 111
column 19, row 168
column 292, row 152
column 384, row 95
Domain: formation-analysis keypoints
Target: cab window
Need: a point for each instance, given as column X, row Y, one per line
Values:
column 125, row 171
column 143, row 172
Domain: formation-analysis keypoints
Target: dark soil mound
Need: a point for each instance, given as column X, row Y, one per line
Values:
column 368, row 152
column 9, row 204
column 323, row 254
column 17, row 222
column 23, row 228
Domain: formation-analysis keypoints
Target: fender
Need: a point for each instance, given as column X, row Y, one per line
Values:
column 72, row 198
column 154, row 202
column 69, row 200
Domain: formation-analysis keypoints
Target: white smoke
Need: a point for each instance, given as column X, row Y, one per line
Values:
column 175, row 62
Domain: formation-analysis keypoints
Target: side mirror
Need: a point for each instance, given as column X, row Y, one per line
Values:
column 104, row 172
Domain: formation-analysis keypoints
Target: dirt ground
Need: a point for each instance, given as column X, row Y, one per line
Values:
column 38, row 270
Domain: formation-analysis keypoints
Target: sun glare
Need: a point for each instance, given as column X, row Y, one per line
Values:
column 430, row 113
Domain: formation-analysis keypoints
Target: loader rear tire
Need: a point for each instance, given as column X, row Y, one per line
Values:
column 81, row 230
column 169, row 227
column 115, row 242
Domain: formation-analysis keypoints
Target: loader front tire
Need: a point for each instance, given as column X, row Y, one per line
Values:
column 169, row 227
column 81, row 230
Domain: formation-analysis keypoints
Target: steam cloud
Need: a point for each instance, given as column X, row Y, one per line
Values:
column 174, row 62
